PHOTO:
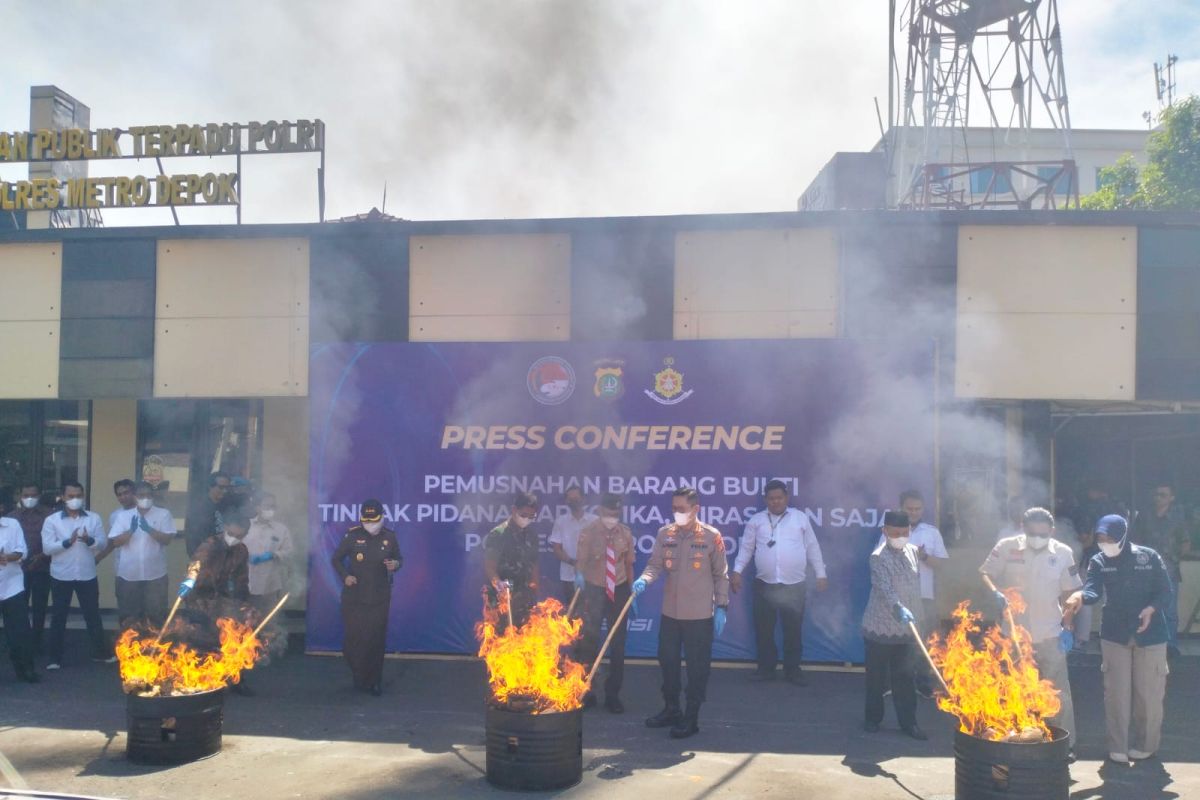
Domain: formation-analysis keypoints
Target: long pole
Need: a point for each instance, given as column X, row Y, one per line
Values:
column 170, row 617
column 612, row 631
column 574, row 600
column 917, row 635
column 274, row 610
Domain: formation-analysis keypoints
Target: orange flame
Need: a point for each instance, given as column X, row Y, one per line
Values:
column 526, row 664
column 152, row 667
column 995, row 689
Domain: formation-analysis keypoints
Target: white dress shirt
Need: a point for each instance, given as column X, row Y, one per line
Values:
column 268, row 536
column 927, row 536
column 787, row 560
column 566, row 532
column 141, row 558
column 77, row 562
column 12, row 540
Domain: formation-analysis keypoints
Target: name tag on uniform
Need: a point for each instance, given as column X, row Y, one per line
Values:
column 358, row 557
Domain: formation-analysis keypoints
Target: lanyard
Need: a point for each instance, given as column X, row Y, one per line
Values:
column 774, row 525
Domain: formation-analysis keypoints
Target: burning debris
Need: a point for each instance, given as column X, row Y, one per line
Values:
column 527, row 668
column 995, row 689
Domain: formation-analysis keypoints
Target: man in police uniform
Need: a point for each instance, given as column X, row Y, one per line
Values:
column 1043, row 570
column 692, row 556
column 510, row 559
column 1133, row 582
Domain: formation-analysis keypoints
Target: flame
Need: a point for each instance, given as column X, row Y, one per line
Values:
column 526, row 665
column 152, row 667
column 995, row 689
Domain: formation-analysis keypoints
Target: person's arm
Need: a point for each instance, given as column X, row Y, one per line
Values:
column 394, row 557
column 1090, row 594
column 629, row 547
column 934, row 554
column 881, row 579
column 96, row 531
column 338, row 558
column 654, row 566
column 719, row 560
column 286, row 548
column 52, row 542
column 812, row 552
column 17, row 553
column 241, row 575
column 118, row 534
column 491, row 558
column 1162, row 585
column 556, row 539
column 165, row 531
column 745, row 549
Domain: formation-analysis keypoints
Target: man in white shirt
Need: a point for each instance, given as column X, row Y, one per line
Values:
column 565, row 539
column 270, row 545
column 123, row 490
column 72, row 538
column 782, row 543
column 931, row 555
column 13, row 550
column 140, row 536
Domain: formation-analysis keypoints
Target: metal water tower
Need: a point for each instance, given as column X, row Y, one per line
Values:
column 995, row 65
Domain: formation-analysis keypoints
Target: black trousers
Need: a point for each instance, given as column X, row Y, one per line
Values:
column 15, row 615
column 890, row 666
column 142, row 600
column 597, row 608
column 88, row 594
column 365, row 640
column 37, row 599
column 784, row 602
column 566, row 590
column 695, row 637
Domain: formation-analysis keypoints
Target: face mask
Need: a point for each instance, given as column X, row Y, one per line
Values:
column 373, row 527
column 75, row 503
column 145, row 503
column 898, row 542
column 609, row 522
column 266, row 513
column 682, row 519
column 231, row 540
column 521, row 522
column 1110, row 549
column 1037, row 542
column 29, row 502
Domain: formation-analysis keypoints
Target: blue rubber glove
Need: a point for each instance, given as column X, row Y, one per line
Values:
column 186, row 586
column 261, row 558
column 578, row 581
column 1066, row 641
column 718, row 621
column 639, row 586
column 141, row 522
column 902, row 614
column 1001, row 601
column 133, row 523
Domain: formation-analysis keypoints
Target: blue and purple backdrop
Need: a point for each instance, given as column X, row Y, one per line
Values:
column 443, row 434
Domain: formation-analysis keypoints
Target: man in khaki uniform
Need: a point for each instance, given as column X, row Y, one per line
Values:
column 692, row 556
column 603, row 569
column 1043, row 570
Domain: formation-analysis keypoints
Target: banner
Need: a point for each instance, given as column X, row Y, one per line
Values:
column 444, row 434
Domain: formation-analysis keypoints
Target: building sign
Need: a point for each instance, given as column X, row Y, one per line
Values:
column 145, row 141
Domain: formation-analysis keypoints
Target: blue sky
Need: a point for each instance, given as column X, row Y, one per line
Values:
column 513, row 108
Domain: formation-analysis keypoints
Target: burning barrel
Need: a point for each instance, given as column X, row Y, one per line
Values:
column 534, row 752
column 174, row 729
column 988, row 770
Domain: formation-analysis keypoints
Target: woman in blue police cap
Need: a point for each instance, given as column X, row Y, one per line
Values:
column 365, row 560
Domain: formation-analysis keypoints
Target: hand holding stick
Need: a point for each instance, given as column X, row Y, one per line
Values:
column 917, row 635
column 612, row 631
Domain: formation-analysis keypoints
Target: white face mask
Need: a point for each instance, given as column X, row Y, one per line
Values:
column 1110, row 549
column 609, row 522
column 74, row 504
column 145, row 503
column 897, row 542
column 1037, row 542
column 682, row 519
column 521, row 522
column 373, row 527
column 231, row 540
column 266, row 513
column 29, row 502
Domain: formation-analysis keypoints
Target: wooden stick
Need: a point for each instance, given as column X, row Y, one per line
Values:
column 917, row 635
column 612, row 631
column 274, row 610
column 1012, row 626
column 170, row 617
column 574, row 599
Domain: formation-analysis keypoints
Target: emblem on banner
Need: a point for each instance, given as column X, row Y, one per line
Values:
column 668, row 385
column 609, row 379
column 551, row 380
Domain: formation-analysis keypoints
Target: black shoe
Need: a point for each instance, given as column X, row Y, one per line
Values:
column 687, row 724
column 376, row 690
column 798, row 678
column 915, row 732
column 871, row 727
column 759, row 676
column 665, row 718
column 589, row 700
column 613, row 705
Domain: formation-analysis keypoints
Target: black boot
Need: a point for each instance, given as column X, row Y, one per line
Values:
column 669, row 716
column 688, row 724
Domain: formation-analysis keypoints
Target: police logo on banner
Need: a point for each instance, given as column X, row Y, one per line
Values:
column 551, row 380
column 609, row 379
column 668, row 385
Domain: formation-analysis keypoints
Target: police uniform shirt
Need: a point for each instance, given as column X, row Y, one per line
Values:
column 77, row 562
column 12, row 540
column 1134, row 579
column 515, row 552
column 362, row 554
column 697, row 573
column 1041, row 576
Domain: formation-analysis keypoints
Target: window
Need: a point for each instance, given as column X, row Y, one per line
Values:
column 1062, row 185
column 982, row 178
column 45, row 442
